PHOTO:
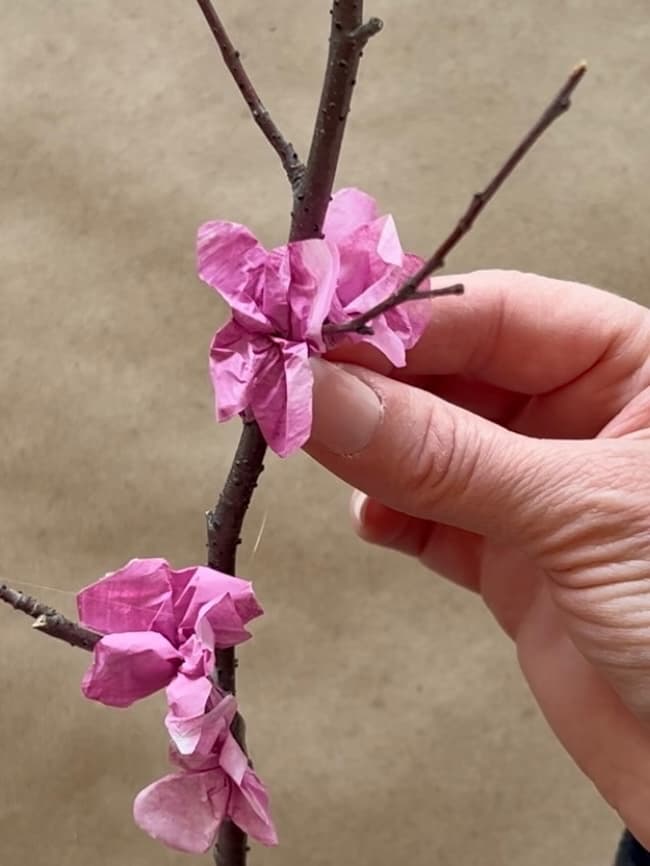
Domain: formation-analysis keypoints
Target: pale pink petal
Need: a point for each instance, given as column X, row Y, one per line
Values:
column 236, row 358
column 231, row 260
column 134, row 598
column 249, row 803
column 184, row 810
column 248, row 808
column 349, row 209
column 129, row 666
column 192, row 728
column 282, row 401
column 314, row 274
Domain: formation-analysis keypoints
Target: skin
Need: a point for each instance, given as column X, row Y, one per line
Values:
column 511, row 455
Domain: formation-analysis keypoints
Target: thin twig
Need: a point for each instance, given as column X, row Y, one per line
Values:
column 408, row 291
column 48, row 620
column 348, row 37
column 284, row 149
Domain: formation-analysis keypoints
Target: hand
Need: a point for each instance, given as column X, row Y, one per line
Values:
column 511, row 455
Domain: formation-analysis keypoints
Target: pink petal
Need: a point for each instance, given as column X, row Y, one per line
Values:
column 219, row 624
column 282, row 399
column 249, row 803
column 231, row 260
column 187, row 696
column 137, row 597
column 129, row 666
column 190, row 727
column 236, row 359
column 314, row 274
column 349, row 209
column 184, row 810
column 207, row 584
column 248, row 808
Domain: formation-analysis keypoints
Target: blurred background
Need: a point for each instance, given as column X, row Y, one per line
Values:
column 385, row 710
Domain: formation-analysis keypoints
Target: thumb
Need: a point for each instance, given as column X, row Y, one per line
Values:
column 422, row 456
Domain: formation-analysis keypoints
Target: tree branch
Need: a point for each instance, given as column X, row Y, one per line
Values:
column 312, row 194
column 284, row 149
column 409, row 290
column 348, row 37
column 48, row 620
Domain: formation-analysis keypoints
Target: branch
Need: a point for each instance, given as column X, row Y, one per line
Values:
column 348, row 37
column 284, row 149
column 409, row 291
column 48, row 620
column 312, row 194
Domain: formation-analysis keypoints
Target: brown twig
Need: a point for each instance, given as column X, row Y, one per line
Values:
column 284, row 149
column 48, row 620
column 409, row 290
column 348, row 36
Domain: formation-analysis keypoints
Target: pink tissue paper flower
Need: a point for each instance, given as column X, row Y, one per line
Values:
column 185, row 809
column 280, row 300
column 161, row 628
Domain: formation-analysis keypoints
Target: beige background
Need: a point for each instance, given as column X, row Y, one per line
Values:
column 385, row 710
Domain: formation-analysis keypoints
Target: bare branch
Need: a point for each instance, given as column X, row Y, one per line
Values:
column 284, row 149
column 409, row 291
column 48, row 620
column 348, row 37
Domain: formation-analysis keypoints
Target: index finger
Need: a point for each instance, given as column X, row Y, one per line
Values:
column 527, row 333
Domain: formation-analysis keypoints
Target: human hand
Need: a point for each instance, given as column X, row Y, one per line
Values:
column 511, row 455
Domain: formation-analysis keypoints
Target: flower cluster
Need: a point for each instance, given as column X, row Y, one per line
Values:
column 280, row 300
column 161, row 630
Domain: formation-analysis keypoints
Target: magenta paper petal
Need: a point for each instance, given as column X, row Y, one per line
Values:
column 349, row 209
column 231, row 260
column 282, row 404
column 314, row 274
column 236, row 359
column 184, row 810
column 198, row 734
column 249, row 803
column 137, row 597
column 206, row 584
column 248, row 808
column 219, row 624
column 129, row 666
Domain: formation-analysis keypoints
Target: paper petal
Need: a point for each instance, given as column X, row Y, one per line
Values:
column 349, row 209
column 282, row 404
column 231, row 260
column 199, row 734
column 248, row 807
column 129, row 666
column 184, row 810
column 314, row 274
column 206, row 584
column 219, row 624
column 134, row 598
column 235, row 360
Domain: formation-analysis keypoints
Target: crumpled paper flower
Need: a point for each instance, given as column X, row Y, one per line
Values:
column 185, row 809
column 162, row 626
column 280, row 300
column 161, row 629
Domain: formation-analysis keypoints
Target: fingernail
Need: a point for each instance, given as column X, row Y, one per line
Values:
column 346, row 411
column 357, row 507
